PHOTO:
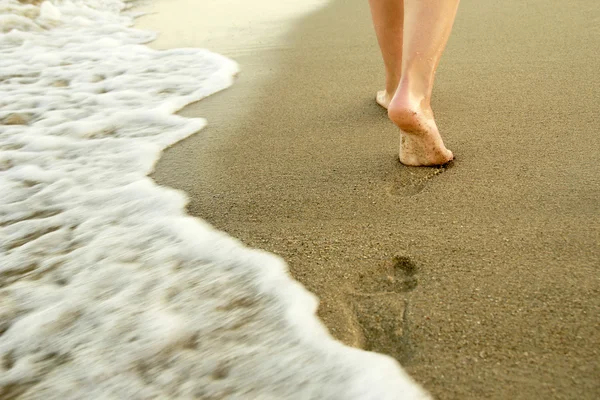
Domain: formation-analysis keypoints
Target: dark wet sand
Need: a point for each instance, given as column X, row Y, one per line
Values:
column 482, row 278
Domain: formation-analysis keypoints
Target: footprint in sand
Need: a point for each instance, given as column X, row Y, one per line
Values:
column 409, row 181
column 381, row 309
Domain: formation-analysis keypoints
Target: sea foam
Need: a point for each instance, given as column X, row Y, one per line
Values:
column 108, row 290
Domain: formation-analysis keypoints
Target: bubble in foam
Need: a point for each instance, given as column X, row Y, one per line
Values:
column 107, row 288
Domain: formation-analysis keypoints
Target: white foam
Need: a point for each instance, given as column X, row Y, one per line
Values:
column 107, row 288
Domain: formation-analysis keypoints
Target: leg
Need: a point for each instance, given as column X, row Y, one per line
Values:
column 427, row 26
column 388, row 19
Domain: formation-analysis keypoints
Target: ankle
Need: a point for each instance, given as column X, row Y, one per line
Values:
column 409, row 106
column 391, row 84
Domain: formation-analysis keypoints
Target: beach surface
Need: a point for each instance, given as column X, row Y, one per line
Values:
column 481, row 278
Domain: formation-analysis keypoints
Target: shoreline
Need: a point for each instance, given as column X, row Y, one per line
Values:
column 108, row 285
column 496, row 253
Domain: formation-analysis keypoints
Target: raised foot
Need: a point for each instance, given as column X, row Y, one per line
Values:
column 420, row 140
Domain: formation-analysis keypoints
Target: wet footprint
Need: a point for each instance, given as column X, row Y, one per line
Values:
column 409, row 181
column 397, row 275
column 381, row 309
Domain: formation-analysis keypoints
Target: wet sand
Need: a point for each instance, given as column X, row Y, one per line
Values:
column 480, row 278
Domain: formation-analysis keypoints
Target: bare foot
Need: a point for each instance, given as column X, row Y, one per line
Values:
column 383, row 99
column 420, row 140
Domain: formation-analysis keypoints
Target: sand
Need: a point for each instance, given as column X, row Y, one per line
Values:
column 480, row 278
